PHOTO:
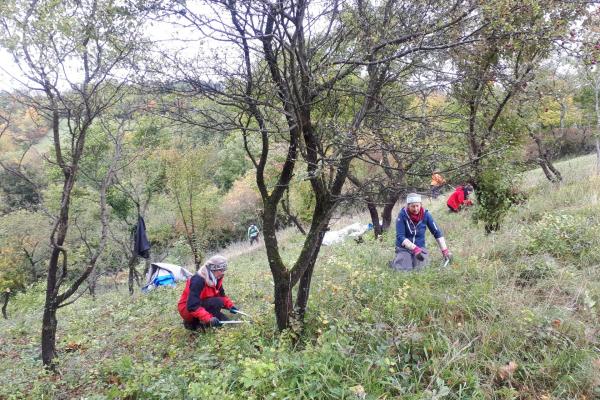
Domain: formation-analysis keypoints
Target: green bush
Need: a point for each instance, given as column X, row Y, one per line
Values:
column 567, row 237
column 496, row 194
column 534, row 270
column 371, row 333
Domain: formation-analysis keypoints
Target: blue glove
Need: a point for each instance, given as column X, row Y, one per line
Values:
column 233, row 310
column 214, row 321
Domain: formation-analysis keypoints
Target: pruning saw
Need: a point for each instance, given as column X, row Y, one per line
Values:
column 243, row 313
column 234, row 322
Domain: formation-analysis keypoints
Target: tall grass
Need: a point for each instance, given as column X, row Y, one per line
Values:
column 516, row 316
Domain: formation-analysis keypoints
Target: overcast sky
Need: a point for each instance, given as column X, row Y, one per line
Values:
column 171, row 37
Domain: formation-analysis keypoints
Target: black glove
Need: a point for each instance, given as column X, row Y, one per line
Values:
column 214, row 321
column 233, row 310
column 418, row 252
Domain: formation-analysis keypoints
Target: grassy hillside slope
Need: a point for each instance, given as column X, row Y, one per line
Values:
column 517, row 316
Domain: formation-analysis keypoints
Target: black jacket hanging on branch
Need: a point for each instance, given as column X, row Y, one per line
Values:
column 141, row 245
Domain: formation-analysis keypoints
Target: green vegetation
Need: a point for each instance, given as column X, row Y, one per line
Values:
column 516, row 316
column 298, row 114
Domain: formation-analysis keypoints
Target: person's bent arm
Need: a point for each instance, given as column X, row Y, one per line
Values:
column 438, row 235
column 401, row 239
column 460, row 197
column 226, row 300
column 407, row 244
column 432, row 226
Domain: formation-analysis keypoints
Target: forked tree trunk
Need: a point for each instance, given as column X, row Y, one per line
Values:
column 546, row 170
column 55, row 299
column 285, row 309
column 53, row 282
column 545, row 161
column 555, row 171
column 297, row 93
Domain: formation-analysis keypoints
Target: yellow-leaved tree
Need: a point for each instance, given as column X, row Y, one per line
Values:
column 195, row 196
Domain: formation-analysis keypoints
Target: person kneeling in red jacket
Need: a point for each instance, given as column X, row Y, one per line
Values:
column 460, row 197
column 203, row 298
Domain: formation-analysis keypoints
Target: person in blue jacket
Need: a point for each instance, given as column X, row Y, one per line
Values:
column 411, row 224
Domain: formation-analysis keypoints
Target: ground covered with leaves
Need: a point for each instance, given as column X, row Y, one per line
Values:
column 516, row 316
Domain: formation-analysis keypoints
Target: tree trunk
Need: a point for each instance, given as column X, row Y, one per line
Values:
column 49, row 321
column 49, row 324
column 91, row 282
column 146, row 266
column 297, row 224
column 130, row 281
column 282, row 289
column 555, row 171
column 545, row 161
column 386, row 215
column 304, row 284
column 132, row 272
column 5, row 304
column 196, row 252
column 283, row 300
column 542, row 163
column 491, row 227
column 304, row 292
column 92, row 288
column 32, row 263
column 57, row 238
column 377, row 229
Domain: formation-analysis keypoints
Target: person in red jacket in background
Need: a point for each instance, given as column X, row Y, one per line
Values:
column 203, row 298
column 460, row 197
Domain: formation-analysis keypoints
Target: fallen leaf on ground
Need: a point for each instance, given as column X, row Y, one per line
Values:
column 359, row 391
column 507, row 370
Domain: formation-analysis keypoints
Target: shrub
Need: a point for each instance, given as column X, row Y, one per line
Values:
column 565, row 237
column 495, row 196
column 534, row 270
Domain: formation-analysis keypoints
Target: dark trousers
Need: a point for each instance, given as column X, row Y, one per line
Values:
column 450, row 209
column 213, row 305
column 253, row 239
